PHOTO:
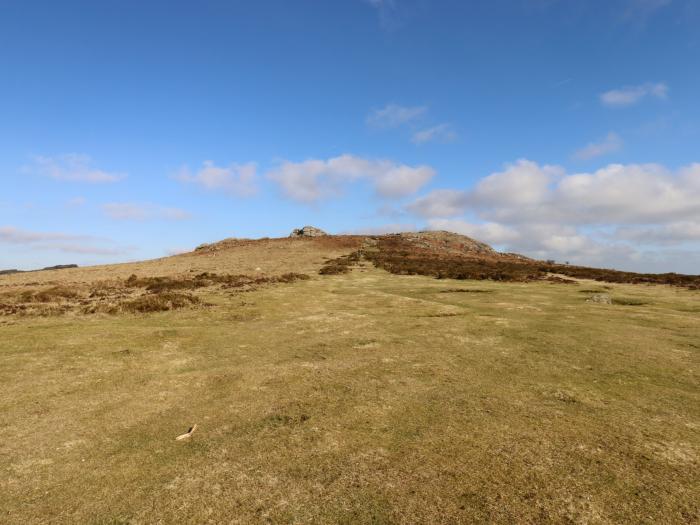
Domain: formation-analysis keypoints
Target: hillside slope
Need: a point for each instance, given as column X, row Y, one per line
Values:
column 361, row 397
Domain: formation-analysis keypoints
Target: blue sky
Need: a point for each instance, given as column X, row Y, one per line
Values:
column 556, row 128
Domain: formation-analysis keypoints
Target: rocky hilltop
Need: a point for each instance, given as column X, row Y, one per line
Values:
column 445, row 242
column 308, row 231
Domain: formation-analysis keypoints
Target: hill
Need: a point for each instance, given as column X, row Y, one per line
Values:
column 408, row 378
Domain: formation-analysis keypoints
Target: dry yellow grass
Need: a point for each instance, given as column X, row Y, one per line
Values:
column 356, row 398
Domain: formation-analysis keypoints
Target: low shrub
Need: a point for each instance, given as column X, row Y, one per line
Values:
column 628, row 301
column 158, row 302
column 53, row 294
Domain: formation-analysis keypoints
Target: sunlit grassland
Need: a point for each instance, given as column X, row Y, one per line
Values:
column 359, row 398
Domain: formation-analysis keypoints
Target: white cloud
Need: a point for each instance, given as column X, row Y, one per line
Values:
column 71, row 167
column 239, row 180
column 667, row 234
column 440, row 133
column 630, row 194
column 130, row 211
column 56, row 241
column 490, row 232
column 617, row 193
column 177, row 251
column 605, row 217
column 314, row 179
column 544, row 241
column 610, row 144
column 630, row 95
column 522, row 185
column 440, row 203
column 83, row 249
column 12, row 235
column 393, row 115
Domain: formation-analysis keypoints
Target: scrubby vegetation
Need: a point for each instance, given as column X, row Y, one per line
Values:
column 340, row 265
column 403, row 256
column 616, row 276
column 158, row 302
column 132, row 295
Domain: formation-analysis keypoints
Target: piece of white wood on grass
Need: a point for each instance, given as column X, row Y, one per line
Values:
column 186, row 434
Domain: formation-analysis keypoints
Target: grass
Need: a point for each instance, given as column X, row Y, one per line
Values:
column 362, row 397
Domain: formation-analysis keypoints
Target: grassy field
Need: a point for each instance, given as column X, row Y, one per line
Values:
column 358, row 398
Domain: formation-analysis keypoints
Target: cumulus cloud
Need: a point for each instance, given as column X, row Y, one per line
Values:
column 441, row 203
column 545, row 241
column 666, row 234
column 601, row 217
column 617, row 193
column 130, row 211
column 490, row 232
column 630, row 194
column 439, row 133
column 630, row 95
column 71, row 167
column 610, row 144
column 239, row 180
column 393, row 115
column 524, row 185
column 56, row 241
column 314, row 179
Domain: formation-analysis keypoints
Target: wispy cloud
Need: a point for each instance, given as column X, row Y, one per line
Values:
column 71, row 167
column 12, row 235
column 610, row 144
column 414, row 119
column 439, row 133
column 393, row 115
column 382, row 229
column 76, row 202
column 57, row 241
column 387, row 11
column 239, row 180
column 641, row 10
column 315, row 179
column 177, row 251
column 131, row 211
column 630, row 95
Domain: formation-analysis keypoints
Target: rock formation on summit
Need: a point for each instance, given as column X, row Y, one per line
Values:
column 307, row 231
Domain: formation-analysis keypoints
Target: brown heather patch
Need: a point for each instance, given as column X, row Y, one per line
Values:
column 404, row 255
column 340, row 265
column 132, row 295
column 158, row 302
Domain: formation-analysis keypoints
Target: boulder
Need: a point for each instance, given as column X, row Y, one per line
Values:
column 600, row 298
column 307, row 231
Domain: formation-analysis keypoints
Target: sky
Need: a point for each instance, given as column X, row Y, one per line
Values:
column 560, row 129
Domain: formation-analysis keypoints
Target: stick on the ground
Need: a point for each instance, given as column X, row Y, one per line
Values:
column 187, row 434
